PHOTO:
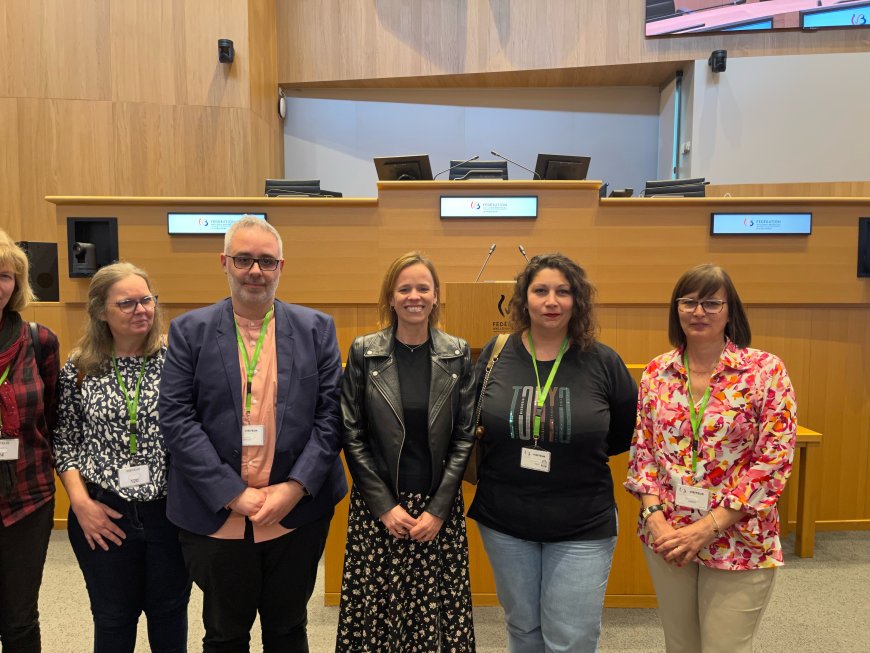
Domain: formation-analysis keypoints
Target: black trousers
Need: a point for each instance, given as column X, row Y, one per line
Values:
column 240, row 578
column 23, row 547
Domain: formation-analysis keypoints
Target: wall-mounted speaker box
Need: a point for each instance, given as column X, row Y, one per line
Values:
column 92, row 243
column 43, row 269
column 864, row 247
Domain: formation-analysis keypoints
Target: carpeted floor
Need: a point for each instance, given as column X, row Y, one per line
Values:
column 820, row 605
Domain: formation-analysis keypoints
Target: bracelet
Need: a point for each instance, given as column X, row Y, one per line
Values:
column 716, row 529
column 646, row 512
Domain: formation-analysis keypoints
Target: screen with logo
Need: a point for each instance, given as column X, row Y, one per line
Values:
column 761, row 224
column 482, row 206
column 204, row 223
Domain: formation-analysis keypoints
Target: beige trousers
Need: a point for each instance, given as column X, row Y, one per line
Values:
column 706, row 610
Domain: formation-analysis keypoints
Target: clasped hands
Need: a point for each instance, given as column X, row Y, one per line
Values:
column 268, row 505
column 402, row 526
column 679, row 545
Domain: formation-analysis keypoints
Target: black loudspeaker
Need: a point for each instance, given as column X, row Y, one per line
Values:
column 43, row 269
column 864, row 247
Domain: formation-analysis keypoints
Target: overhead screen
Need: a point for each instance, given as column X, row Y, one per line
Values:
column 697, row 16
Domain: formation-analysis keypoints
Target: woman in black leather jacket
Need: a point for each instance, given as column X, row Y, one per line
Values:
column 407, row 406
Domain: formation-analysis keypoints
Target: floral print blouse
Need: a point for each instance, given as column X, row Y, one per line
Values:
column 745, row 450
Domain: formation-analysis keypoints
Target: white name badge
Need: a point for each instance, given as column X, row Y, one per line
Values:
column 535, row 459
column 134, row 476
column 697, row 498
column 253, row 435
column 8, row 448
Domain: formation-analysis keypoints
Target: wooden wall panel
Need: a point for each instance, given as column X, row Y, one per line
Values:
column 10, row 190
column 56, row 49
column 806, row 189
column 323, row 41
column 126, row 97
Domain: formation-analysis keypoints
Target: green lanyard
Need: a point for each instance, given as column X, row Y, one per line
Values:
column 2, row 379
column 132, row 402
column 543, row 392
column 251, row 363
column 695, row 416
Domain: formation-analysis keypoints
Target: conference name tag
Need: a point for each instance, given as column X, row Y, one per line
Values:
column 696, row 498
column 134, row 476
column 253, row 435
column 535, row 459
column 9, row 449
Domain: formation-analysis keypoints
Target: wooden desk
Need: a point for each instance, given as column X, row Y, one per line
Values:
column 809, row 485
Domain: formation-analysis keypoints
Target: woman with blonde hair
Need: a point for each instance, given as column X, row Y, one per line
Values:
column 28, row 377
column 407, row 400
column 112, row 461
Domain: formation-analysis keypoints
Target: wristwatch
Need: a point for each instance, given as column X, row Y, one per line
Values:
column 646, row 512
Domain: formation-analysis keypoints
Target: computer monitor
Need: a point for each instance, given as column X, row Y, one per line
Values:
column 292, row 188
column 695, row 187
column 478, row 170
column 411, row 167
column 562, row 166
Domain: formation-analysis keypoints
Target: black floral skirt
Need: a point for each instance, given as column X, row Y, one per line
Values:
column 402, row 596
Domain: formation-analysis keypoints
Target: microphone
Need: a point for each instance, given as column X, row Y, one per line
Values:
column 485, row 261
column 523, row 252
column 494, row 153
column 456, row 165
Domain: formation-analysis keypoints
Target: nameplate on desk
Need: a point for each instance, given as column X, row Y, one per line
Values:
column 204, row 223
column 761, row 224
column 489, row 206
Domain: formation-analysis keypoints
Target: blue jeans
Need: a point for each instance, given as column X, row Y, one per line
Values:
column 145, row 573
column 552, row 592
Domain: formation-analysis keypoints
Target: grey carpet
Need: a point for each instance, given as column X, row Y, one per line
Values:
column 820, row 605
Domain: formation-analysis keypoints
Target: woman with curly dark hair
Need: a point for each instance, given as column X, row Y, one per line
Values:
column 557, row 404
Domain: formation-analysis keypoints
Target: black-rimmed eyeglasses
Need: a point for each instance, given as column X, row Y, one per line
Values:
column 129, row 305
column 266, row 263
column 712, row 306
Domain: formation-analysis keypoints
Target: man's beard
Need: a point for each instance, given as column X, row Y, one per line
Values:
column 264, row 294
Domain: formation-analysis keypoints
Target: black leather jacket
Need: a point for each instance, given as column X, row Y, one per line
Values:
column 371, row 410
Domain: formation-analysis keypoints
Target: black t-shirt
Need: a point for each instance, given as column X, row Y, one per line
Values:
column 415, row 460
column 588, row 416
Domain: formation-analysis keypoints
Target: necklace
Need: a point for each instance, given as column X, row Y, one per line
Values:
column 412, row 348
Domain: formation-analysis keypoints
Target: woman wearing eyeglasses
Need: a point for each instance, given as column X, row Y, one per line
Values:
column 710, row 456
column 112, row 461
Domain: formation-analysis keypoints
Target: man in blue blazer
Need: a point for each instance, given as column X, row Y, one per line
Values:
column 249, row 409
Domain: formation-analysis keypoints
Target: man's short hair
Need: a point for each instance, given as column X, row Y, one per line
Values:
column 251, row 222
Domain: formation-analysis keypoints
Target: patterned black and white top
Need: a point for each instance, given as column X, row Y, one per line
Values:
column 92, row 433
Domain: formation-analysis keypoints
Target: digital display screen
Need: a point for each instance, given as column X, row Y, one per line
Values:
column 761, row 224
column 204, row 223
column 846, row 17
column 483, row 206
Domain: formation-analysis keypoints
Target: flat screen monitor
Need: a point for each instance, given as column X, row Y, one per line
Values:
column 562, row 166
column 761, row 224
column 412, row 167
column 695, row 187
column 292, row 188
column 478, row 170
column 204, row 224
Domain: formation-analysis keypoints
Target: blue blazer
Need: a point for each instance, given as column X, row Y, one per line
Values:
column 200, row 410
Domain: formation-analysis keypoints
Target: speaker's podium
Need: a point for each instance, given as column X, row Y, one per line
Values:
column 477, row 311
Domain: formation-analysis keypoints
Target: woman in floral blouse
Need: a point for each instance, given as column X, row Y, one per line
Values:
column 710, row 456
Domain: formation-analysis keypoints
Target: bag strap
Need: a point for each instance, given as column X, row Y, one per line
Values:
column 500, row 341
column 37, row 346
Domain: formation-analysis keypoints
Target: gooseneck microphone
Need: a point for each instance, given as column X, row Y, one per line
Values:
column 456, row 165
column 523, row 252
column 485, row 261
column 494, row 153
